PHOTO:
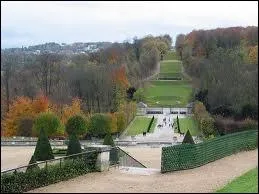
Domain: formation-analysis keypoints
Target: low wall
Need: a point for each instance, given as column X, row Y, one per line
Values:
column 187, row 156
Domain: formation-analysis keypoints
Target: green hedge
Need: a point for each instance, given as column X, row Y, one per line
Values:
column 24, row 181
column 150, row 124
column 186, row 156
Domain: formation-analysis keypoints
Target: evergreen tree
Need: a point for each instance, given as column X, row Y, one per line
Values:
column 188, row 138
column 43, row 150
column 108, row 140
column 34, row 166
column 178, row 125
column 74, row 146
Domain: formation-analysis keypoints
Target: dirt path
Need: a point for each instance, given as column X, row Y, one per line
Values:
column 203, row 179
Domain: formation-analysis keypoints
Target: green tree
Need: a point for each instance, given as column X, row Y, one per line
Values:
column 43, row 150
column 74, row 146
column 99, row 125
column 188, row 138
column 47, row 121
column 77, row 125
column 108, row 140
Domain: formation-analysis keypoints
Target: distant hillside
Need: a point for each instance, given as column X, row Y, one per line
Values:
column 52, row 47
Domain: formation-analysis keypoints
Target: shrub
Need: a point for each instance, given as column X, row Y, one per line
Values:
column 25, row 127
column 108, row 140
column 99, row 125
column 121, row 121
column 76, row 124
column 22, row 182
column 178, row 125
column 34, row 166
column 188, row 138
column 150, row 124
column 207, row 126
column 47, row 121
column 43, row 150
column 74, row 146
column 249, row 111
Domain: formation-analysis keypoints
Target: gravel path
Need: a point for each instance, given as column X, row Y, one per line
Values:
column 203, row 179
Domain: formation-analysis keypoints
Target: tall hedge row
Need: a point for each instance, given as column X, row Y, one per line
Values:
column 186, row 156
column 35, row 178
column 150, row 124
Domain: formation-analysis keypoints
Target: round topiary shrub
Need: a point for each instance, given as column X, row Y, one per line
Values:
column 76, row 124
column 108, row 140
column 43, row 150
column 47, row 121
column 99, row 125
column 74, row 146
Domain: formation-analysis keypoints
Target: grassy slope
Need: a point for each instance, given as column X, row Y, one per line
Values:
column 188, row 123
column 139, row 125
column 169, row 93
column 247, row 183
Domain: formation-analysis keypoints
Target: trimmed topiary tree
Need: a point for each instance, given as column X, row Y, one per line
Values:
column 43, row 150
column 34, row 166
column 188, row 138
column 74, row 146
column 99, row 125
column 47, row 121
column 178, row 125
column 76, row 124
column 108, row 140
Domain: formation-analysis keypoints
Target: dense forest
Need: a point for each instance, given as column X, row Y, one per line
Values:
column 103, row 81
column 223, row 63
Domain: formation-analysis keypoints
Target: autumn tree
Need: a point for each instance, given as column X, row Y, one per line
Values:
column 179, row 45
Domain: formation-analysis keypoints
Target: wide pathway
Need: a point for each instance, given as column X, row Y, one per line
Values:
column 206, row 178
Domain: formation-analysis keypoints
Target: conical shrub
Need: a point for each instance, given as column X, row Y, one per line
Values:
column 34, row 166
column 188, row 138
column 74, row 146
column 108, row 140
column 43, row 150
column 178, row 125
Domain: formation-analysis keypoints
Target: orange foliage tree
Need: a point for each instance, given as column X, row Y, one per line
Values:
column 253, row 55
column 69, row 111
column 20, row 108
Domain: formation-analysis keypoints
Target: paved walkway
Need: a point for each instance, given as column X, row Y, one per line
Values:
column 163, row 133
column 206, row 178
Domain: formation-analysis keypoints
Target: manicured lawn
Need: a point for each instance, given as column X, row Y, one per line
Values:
column 247, row 183
column 188, row 123
column 171, row 66
column 139, row 125
column 168, row 93
column 171, row 55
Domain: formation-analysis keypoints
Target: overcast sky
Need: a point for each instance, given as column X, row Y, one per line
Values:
column 30, row 23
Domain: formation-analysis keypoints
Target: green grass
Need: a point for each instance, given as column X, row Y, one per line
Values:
column 188, row 123
column 171, row 66
column 247, row 183
column 170, row 75
column 139, row 125
column 171, row 56
column 168, row 93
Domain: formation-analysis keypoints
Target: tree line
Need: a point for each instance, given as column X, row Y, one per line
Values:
column 225, row 63
column 104, row 81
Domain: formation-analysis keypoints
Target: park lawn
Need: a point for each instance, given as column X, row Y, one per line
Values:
column 171, row 66
column 170, row 75
column 171, row 56
column 168, row 93
column 139, row 125
column 246, row 183
column 188, row 123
